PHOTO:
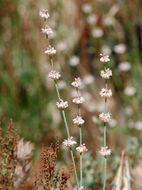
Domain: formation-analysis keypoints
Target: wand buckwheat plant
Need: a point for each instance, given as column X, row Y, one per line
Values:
column 106, row 116
column 61, row 104
column 79, row 122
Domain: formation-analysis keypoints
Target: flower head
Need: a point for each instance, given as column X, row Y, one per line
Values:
column 104, row 58
column 54, row 75
column 69, row 142
column 107, row 93
column 105, row 117
column 78, row 120
column 106, row 74
column 44, row 14
column 124, row 66
column 78, row 99
column 62, row 104
column 105, row 151
column 82, row 148
column 47, row 30
column 50, row 50
column 76, row 83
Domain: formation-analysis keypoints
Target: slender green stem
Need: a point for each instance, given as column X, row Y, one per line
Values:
column 80, row 158
column 105, row 129
column 80, row 131
column 105, row 168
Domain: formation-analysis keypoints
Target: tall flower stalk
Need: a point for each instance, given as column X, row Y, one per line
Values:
column 79, row 122
column 55, row 76
column 106, row 116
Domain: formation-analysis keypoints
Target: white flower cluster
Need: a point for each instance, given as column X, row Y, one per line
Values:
column 44, row 14
column 77, row 83
column 69, row 142
column 105, row 117
column 104, row 58
column 82, row 149
column 54, row 75
column 106, row 74
column 106, row 93
column 50, row 51
column 78, row 99
column 105, row 151
column 78, row 120
column 62, row 104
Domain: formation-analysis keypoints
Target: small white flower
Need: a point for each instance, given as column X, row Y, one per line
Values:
column 69, row 142
column 138, row 125
column 78, row 120
column 106, row 74
column 74, row 61
column 104, row 58
column 105, row 117
column 124, row 66
column 61, row 46
column 92, row 19
column 54, row 75
column 120, row 48
column 108, row 20
column 107, row 93
column 130, row 91
column 77, row 83
column 105, row 151
column 47, row 30
column 97, row 32
column 88, row 79
column 78, row 100
column 62, row 104
column 44, row 14
column 82, row 148
column 86, row 8
column 50, row 51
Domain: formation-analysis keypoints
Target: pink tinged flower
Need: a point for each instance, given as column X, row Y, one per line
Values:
column 47, row 30
column 69, row 142
column 50, row 50
column 78, row 100
column 44, row 14
column 106, row 74
column 105, row 151
column 124, row 66
column 78, row 121
column 120, row 48
column 82, row 149
column 105, row 117
column 77, row 83
column 130, row 91
column 62, row 104
column 106, row 93
column 104, row 58
column 54, row 75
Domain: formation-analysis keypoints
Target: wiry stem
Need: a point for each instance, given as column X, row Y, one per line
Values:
column 105, row 133
column 80, row 132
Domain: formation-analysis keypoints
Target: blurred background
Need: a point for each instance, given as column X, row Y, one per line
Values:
column 82, row 29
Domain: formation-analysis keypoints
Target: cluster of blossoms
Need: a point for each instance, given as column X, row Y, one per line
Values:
column 82, row 148
column 69, row 142
column 105, row 151
column 106, row 93
column 62, row 104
